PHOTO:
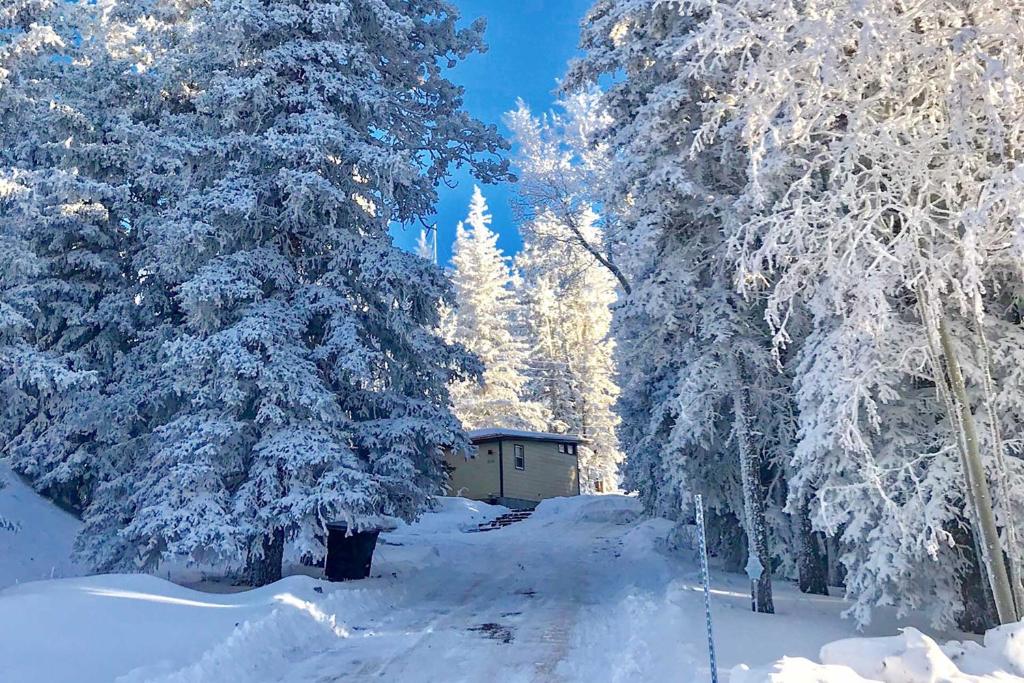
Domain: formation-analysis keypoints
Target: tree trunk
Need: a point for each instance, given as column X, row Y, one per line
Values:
column 758, row 558
column 977, row 484
column 264, row 566
column 812, row 561
column 727, row 541
column 569, row 217
column 979, row 613
column 1013, row 547
column 836, row 569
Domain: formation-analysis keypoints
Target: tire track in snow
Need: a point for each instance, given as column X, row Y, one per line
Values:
column 376, row 669
column 437, row 618
column 537, row 597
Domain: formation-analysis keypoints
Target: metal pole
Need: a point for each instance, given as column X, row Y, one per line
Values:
column 699, row 505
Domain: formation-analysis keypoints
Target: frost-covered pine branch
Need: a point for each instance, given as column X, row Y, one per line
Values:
column 563, row 164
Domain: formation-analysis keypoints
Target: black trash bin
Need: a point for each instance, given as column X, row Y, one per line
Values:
column 349, row 555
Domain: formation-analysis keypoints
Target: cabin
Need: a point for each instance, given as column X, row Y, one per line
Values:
column 514, row 468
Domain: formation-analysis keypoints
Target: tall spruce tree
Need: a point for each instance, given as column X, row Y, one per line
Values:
column 704, row 407
column 486, row 322
column 567, row 297
column 300, row 376
column 71, row 98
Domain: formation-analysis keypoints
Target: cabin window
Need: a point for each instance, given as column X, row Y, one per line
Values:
column 568, row 448
column 520, row 457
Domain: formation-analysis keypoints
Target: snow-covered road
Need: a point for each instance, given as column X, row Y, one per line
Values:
column 500, row 605
column 447, row 605
column 582, row 591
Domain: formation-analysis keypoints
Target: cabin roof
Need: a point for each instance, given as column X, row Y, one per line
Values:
column 493, row 433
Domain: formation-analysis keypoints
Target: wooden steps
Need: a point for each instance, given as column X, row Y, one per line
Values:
column 503, row 521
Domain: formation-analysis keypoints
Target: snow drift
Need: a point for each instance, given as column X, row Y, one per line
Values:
column 451, row 514
column 41, row 546
column 609, row 509
column 911, row 657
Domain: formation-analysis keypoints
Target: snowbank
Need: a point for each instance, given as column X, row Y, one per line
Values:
column 795, row 669
column 451, row 515
column 100, row 628
column 131, row 628
column 600, row 509
column 41, row 547
column 911, row 657
column 261, row 649
column 1006, row 642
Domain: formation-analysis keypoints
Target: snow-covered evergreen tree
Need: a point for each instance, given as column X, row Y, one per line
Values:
column 704, row 406
column 567, row 297
column 71, row 96
column 306, row 380
column 486, row 322
column 858, row 160
column 563, row 166
column 883, row 148
column 423, row 248
column 572, row 273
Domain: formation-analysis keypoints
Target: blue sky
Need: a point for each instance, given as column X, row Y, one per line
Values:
column 530, row 43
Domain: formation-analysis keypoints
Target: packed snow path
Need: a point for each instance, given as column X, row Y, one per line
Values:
column 449, row 605
column 478, row 607
column 582, row 591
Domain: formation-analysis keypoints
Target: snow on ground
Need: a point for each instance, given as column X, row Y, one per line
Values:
column 582, row 591
column 910, row 657
column 41, row 548
column 100, row 628
column 453, row 514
